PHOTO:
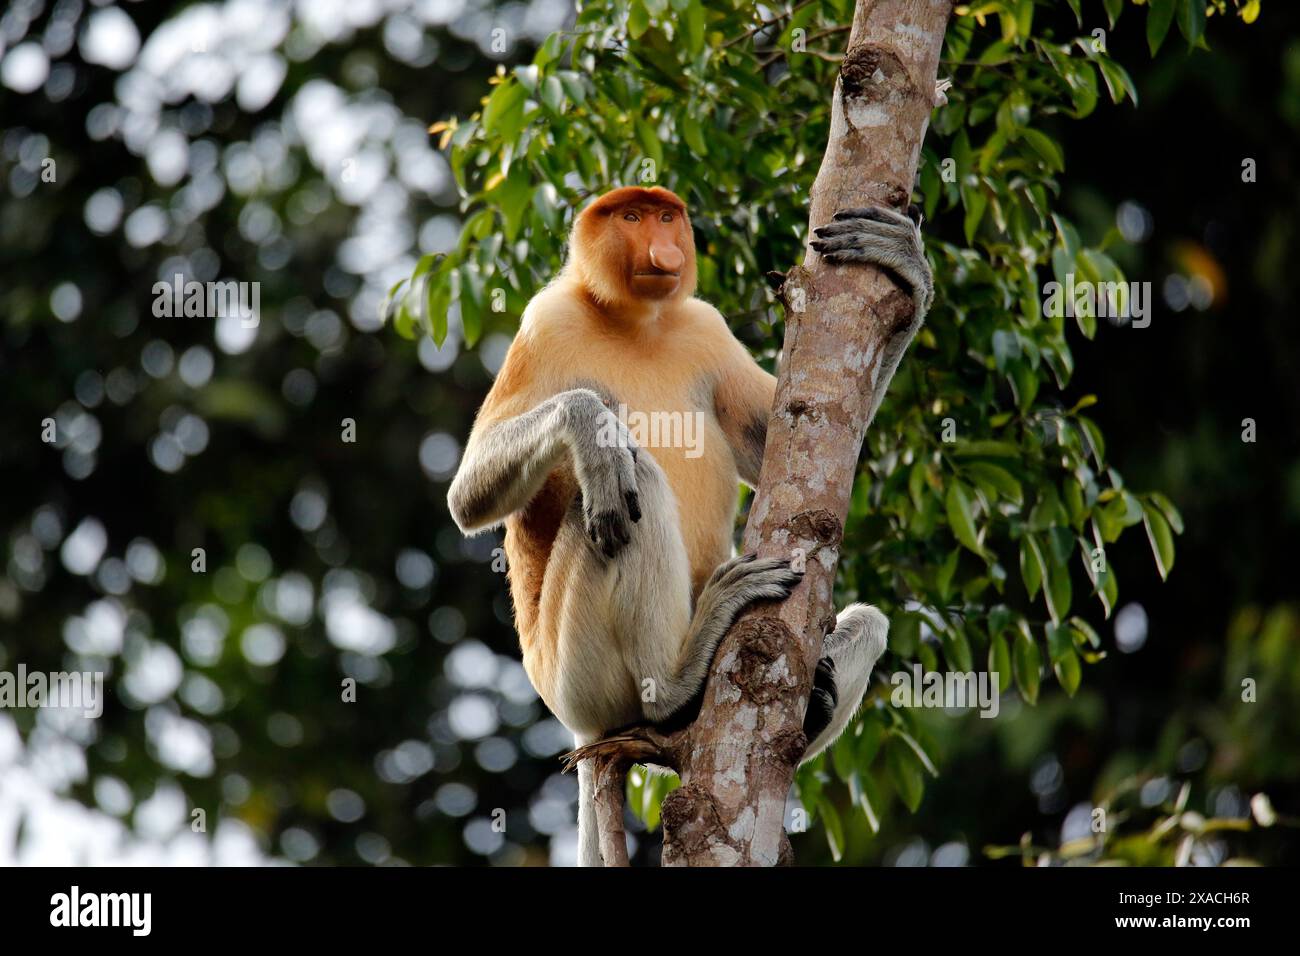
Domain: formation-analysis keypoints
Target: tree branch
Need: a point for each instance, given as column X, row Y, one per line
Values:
column 847, row 328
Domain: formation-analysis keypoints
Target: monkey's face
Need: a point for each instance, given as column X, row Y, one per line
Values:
column 656, row 257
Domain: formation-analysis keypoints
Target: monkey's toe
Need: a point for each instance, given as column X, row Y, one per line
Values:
column 822, row 700
column 874, row 214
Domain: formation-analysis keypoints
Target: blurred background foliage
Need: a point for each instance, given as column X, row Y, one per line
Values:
column 285, row 143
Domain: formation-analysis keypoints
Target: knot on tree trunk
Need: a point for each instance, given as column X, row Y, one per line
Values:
column 692, row 826
column 874, row 73
column 817, row 525
column 764, row 667
column 803, row 408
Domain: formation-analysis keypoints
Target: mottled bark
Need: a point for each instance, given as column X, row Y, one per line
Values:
column 846, row 329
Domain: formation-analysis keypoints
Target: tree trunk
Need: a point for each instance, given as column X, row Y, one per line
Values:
column 846, row 329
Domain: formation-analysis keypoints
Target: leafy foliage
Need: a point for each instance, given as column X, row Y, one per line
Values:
column 1160, row 815
column 985, row 501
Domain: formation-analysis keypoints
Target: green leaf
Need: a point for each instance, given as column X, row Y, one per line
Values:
column 956, row 648
column 693, row 135
column 638, row 20
column 1160, row 15
column 573, row 85
column 859, row 793
column 960, row 517
column 1031, row 565
column 552, row 94
column 830, row 818
column 1047, row 147
column 918, row 751
column 1060, row 641
column 693, row 27
column 1067, row 235
column 1118, row 82
column 527, row 75
column 987, row 449
column 1108, row 590
column 1006, row 346
column 1000, row 661
column 1191, row 20
column 504, row 111
column 550, row 49
column 870, row 736
column 943, row 576
column 1027, row 662
column 843, row 757
column 904, row 773
column 512, row 196
column 1069, row 672
column 1058, row 591
column 975, row 201
column 1161, row 538
column 435, row 311
column 1167, row 509
column 650, row 142
column 988, row 475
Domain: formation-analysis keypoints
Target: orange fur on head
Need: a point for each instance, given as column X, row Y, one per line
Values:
column 621, row 263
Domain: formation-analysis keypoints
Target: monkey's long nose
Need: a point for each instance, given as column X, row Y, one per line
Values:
column 666, row 258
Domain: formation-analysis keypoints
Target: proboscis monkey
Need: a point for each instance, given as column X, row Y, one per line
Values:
column 611, row 445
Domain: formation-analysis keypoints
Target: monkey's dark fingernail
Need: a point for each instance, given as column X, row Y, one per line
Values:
column 633, row 506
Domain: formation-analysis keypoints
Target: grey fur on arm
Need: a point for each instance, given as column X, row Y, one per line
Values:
column 506, row 465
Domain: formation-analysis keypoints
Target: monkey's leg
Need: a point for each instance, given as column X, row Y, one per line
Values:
column 667, row 646
column 851, row 651
column 588, row 834
column 733, row 587
column 882, row 237
column 630, row 647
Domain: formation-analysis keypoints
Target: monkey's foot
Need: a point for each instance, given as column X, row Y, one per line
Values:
column 882, row 237
column 640, row 744
column 822, row 701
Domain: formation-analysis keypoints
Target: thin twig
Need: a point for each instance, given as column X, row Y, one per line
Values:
column 763, row 25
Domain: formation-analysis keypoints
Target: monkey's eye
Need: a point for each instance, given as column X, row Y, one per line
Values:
column 631, row 217
column 666, row 217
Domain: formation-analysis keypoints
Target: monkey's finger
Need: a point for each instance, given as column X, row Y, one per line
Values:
column 633, row 506
column 874, row 213
column 865, row 227
column 843, row 244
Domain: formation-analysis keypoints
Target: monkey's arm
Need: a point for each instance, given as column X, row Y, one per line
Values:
column 507, row 461
column 743, row 403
